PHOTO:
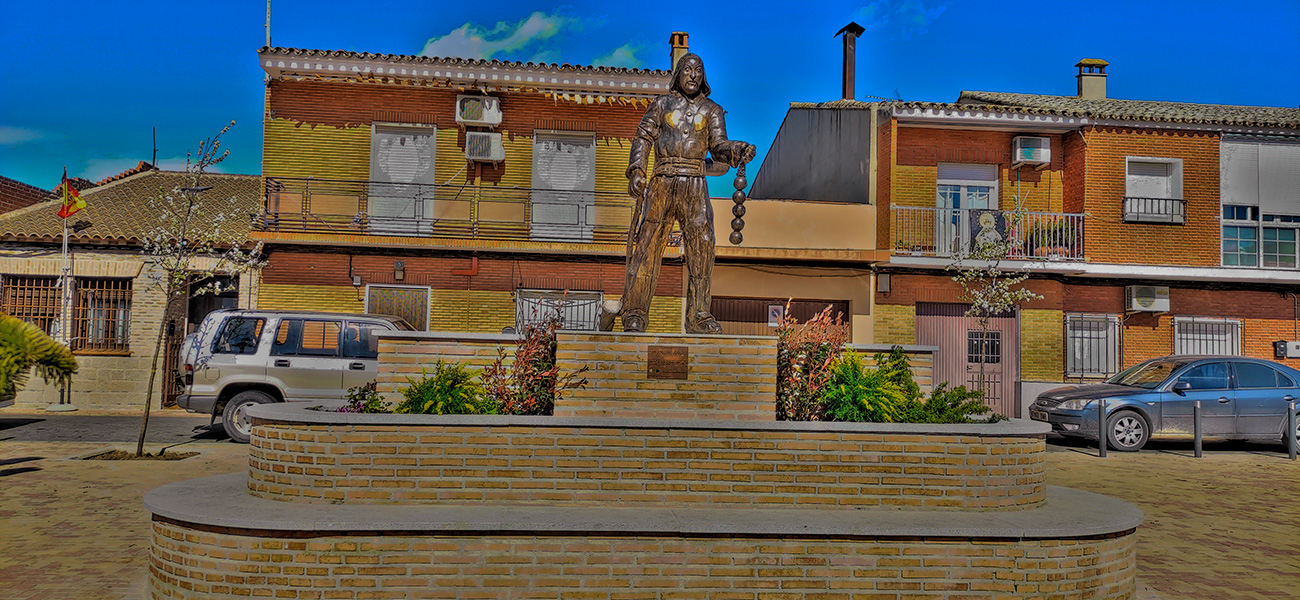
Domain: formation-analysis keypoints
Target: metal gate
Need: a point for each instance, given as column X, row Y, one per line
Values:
column 969, row 356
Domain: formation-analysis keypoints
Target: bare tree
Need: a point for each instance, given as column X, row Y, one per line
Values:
column 197, row 238
column 987, row 284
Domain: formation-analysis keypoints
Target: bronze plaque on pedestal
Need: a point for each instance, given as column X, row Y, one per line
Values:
column 666, row 362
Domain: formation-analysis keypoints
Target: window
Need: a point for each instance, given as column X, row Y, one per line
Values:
column 408, row 302
column 239, row 335
column 564, row 184
column 1255, row 376
column 1259, row 180
column 400, row 201
column 32, row 299
column 1091, row 345
column 984, row 347
column 1240, row 246
column 1209, row 376
column 1278, row 249
column 962, row 188
column 578, row 311
column 101, row 316
column 356, row 340
column 1202, row 335
column 1153, row 190
column 307, row 337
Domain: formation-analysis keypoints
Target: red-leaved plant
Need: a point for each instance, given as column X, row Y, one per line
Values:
column 532, row 382
column 804, row 355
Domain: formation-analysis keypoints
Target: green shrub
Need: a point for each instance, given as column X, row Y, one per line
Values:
column 23, row 346
column 451, row 390
column 365, row 399
column 945, row 405
column 896, row 369
column 861, row 394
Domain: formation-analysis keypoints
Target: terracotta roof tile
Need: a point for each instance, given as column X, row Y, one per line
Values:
column 454, row 61
column 1141, row 110
column 125, row 209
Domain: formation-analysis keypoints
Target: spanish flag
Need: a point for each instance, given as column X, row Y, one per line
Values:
column 72, row 202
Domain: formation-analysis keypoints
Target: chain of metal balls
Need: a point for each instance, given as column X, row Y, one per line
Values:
column 738, row 210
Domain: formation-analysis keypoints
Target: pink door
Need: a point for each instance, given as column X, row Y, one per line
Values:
column 978, row 359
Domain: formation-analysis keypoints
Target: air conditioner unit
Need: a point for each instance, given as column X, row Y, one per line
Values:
column 478, row 110
column 1146, row 298
column 1026, row 150
column 483, row 146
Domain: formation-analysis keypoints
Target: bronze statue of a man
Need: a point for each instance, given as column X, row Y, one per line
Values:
column 684, row 127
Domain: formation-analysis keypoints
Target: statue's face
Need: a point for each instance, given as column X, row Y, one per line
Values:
column 690, row 76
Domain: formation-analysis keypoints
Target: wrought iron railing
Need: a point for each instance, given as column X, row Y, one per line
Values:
column 461, row 211
column 947, row 232
column 1154, row 210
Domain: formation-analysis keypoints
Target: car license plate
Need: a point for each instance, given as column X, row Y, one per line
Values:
column 1038, row 415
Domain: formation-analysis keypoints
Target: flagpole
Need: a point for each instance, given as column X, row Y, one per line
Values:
column 65, row 400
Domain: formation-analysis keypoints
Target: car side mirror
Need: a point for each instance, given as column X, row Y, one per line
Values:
column 1180, row 387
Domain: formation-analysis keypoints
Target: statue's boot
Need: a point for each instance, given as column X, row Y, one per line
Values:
column 702, row 322
column 634, row 321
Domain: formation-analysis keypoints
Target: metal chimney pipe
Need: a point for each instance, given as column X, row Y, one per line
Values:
column 851, row 33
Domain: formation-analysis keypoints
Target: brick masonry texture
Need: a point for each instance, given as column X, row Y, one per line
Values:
column 651, row 465
column 920, row 150
column 728, row 377
column 192, row 562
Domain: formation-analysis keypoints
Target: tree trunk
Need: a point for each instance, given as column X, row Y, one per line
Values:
column 153, row 374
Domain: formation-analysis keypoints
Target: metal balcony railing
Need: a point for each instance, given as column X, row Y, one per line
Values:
column 307, row 205
column 1154, row 210
column 948, row 232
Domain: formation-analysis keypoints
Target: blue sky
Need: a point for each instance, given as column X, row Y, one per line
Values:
column 84, row 82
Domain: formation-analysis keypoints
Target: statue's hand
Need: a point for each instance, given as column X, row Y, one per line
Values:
column 745, row 152
column 636, row 184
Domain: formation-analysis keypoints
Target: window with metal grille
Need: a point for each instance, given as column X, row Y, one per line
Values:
column 578, row 311
column 101, row 316
column 32, row 299
column 984, row 347
column 1091, row 345
column 1203, row 335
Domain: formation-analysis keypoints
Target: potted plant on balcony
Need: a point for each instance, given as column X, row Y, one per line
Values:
column 1050, row 239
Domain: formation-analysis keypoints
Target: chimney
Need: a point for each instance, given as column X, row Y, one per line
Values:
column 677, row 41
column 1092, row 79
column 851, row 33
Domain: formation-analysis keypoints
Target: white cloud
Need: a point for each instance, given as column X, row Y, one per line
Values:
column 474, row 41
column 622, row 56
column 12, row 136
column 904, row 18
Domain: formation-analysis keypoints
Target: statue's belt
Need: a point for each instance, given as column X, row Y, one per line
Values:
column 690, row 167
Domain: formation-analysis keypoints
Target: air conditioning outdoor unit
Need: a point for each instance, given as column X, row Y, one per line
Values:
column 478, row 110
column 1026, row 150
column 1146, row 298
column 484, row 147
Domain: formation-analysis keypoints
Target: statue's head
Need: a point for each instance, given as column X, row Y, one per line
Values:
column 688, row 76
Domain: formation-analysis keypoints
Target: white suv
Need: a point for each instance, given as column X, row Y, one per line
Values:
column 241, row 357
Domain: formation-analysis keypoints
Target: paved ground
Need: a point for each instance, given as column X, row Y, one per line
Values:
column 1221, row 527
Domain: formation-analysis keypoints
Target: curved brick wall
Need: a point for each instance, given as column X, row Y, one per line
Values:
column 213, row 562
column 319, row 457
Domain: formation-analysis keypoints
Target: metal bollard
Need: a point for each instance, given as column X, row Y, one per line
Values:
column 1196, row 428
column 1290, row 429
column 1101, row 428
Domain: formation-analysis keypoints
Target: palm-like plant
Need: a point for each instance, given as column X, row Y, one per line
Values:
column 22, row 347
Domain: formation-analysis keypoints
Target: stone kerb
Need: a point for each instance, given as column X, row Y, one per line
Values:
column 726, row 376
column 300, row 455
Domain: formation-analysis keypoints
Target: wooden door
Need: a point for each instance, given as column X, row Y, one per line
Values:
column 978, row 359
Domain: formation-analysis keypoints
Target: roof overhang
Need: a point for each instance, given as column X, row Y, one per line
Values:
column 485, row 75
column 984, row 117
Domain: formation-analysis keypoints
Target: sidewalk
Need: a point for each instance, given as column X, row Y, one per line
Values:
column 1226, row 526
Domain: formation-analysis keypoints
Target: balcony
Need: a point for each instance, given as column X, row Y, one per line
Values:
column 948, row 232
column 487, row 212
column 1155, row 210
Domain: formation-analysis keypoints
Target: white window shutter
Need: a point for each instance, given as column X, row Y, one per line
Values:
column 961, row 172
column 1148, row 179
column 1279, row 178
column 1239, row 173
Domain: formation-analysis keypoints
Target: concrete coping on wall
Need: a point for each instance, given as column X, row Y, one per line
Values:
column 913, row 348
column 222, row 501
column 299, row 412
column 447, row 336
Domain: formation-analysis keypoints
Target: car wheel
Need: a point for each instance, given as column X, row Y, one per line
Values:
column 235, row 417
column 1127, row 431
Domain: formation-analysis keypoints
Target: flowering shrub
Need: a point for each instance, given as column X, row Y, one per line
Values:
column 451, row 390
column 804, row 355
column 531, row 384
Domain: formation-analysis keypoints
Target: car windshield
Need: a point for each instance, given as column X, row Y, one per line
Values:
column 1147, row 375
